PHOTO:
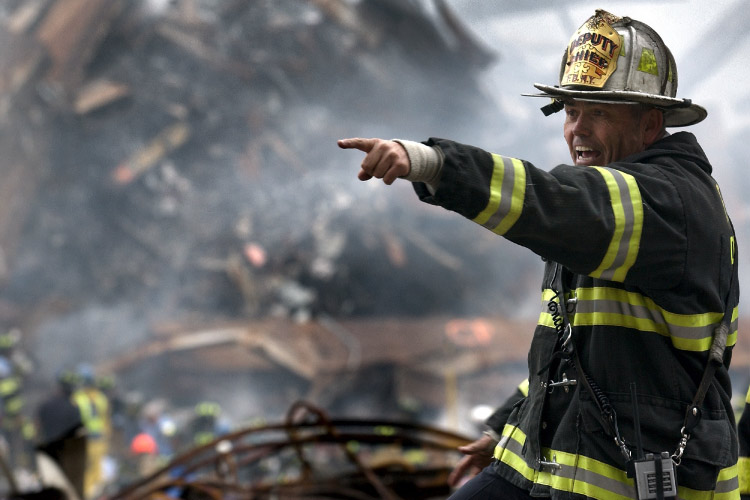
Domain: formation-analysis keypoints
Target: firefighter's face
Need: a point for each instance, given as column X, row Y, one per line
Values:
column 601, row 133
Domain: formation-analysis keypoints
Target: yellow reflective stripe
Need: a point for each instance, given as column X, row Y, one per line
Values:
column 747, row 396
column 81, row 401
column 28, row 431
column 100, row 401
column 507, row 192
column 593, row 478
column 627, row 207
column 94, row 422
column 9, row 386
column 578, row 474
column 727, row 487
column 13, row 405
column 743, row 469
column 728, row 483
column 524, row 387
column 508, row 451
column 589, row 477
column 603, row 306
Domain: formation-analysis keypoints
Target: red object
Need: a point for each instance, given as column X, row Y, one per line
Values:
column 143, row 444
column 255, row 254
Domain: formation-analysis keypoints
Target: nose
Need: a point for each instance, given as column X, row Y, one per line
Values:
column 580, row 125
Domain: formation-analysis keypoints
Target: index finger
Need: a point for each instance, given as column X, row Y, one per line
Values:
column 459, row 471
column 365, row 145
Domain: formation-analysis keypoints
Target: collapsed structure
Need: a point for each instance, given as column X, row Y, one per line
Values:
column 172, row 205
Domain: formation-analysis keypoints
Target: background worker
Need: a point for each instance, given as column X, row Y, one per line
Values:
column 95, row 413
column 16, row 428
column 640, row 279
column 61, row 434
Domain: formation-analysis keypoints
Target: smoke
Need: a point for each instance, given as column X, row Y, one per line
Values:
column 226, row 143
column 263, row 91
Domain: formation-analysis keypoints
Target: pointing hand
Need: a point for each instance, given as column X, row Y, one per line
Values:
column 384, row 159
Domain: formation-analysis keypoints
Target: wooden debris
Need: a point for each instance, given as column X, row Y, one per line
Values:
column 72, row 31
column 97, row 94
column 24, row 17
column 145, row 158
column 21, row 60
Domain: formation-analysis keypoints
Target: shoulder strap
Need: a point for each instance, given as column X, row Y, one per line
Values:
column 715, row 354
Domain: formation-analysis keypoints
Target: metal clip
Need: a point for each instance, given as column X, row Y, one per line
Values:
column 677, row 455
column 623, row 448
column 552, row 464
column 565, row 383
column 571, row 302
column 567, row 335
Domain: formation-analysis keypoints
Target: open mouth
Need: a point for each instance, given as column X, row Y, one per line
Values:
column 585, row 154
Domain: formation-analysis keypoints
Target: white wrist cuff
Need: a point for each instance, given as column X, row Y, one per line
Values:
column 494, row 435
column 426, row 162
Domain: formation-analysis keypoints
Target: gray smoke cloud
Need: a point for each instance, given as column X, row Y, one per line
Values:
column 102, row 263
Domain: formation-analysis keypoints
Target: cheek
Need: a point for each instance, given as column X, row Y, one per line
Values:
column 568, row 134
column 632, row 142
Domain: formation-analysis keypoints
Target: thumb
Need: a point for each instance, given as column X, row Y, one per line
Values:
column 365, row 145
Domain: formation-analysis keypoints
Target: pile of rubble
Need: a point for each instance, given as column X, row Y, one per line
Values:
column 176, row 161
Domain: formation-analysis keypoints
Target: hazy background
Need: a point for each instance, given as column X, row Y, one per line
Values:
column 101, row 267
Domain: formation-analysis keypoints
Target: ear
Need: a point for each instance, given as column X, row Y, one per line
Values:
column 652, row 122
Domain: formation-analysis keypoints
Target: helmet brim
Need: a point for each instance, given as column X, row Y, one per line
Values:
column 677, row 112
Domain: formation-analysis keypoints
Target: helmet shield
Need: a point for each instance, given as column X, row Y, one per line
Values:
column 591, row 57
column 620, row 60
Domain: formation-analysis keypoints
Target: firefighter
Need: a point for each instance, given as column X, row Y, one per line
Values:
column 17, row 429
column 95, row 413
column 145, row 453
column 61, row 433
column 628, row 365
column 206, row 424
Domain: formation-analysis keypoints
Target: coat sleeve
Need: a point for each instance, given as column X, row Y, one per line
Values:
column 499, row 417
column 590, row 219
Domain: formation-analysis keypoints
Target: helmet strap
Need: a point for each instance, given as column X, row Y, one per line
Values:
column 553, row 107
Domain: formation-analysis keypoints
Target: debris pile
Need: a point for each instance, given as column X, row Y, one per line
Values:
column 176, row 162
column 311, row 455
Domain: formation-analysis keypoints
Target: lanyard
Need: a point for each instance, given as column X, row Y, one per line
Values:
column 565, row 334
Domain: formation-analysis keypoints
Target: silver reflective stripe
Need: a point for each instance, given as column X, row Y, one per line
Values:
column 728, row 485
column 507, row 190
column 627, row 210
column 588, row 477
column 506, row 194
column 627, row 234
column 642, row 312
column 506, row 443
column 607, row 306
